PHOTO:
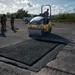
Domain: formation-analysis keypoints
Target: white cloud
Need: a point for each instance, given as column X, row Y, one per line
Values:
column 25, row 1
column 15, row 6
column 53, row 5
column 2, row 5
column 22, row 1
column 17, row 1
column 66, row 5
column 71, row 3
column 2, row 8
column 31, row 7
column 37, row 5
column 70, row 7
column 57, row 9
column 34, row 11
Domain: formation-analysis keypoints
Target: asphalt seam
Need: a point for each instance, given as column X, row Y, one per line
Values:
column 59, row 70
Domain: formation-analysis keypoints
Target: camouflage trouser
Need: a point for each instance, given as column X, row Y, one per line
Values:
column 46, row 20
column 3, row 27
column 12, row 25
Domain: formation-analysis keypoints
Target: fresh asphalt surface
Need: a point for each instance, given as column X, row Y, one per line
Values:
column 27, row 51
column 62, row 33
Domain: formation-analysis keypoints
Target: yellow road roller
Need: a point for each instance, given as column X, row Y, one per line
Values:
column 38, row 25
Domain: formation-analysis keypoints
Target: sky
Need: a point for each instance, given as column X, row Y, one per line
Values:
column 34, row 6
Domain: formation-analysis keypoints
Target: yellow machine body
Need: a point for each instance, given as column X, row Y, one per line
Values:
column 43, row 27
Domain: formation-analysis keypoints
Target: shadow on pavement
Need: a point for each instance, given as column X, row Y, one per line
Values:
column 2, row 34
column 15, row 30
column 53, row 38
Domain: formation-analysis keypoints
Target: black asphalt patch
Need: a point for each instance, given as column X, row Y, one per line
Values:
column 28, row 52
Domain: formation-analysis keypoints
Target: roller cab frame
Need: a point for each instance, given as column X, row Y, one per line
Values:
column 38, row 26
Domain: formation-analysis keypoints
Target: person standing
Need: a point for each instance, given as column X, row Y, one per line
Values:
column 12, row 22
column 3, row 23
column 46, row 13
column 5, row 20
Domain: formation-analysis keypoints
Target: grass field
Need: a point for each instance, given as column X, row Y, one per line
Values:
column 66, row 18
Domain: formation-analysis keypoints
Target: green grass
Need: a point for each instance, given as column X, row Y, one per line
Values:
column 69, row 17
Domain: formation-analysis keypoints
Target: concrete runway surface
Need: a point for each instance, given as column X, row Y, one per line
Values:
column 60, row 60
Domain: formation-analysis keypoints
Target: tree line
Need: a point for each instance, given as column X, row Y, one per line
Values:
column 61, row 17
column 19, row 14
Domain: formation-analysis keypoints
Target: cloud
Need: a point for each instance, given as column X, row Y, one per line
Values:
column 25, row 1
column 26, row 5
column 71, row 3
column 57, row 9
column 66, row 5
column 29, row 5
column 53, row 5
column 17, row 1
column 32, row 7
column 2, row 8
column 15, row 6
column 21, row 1
column 34, row 11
